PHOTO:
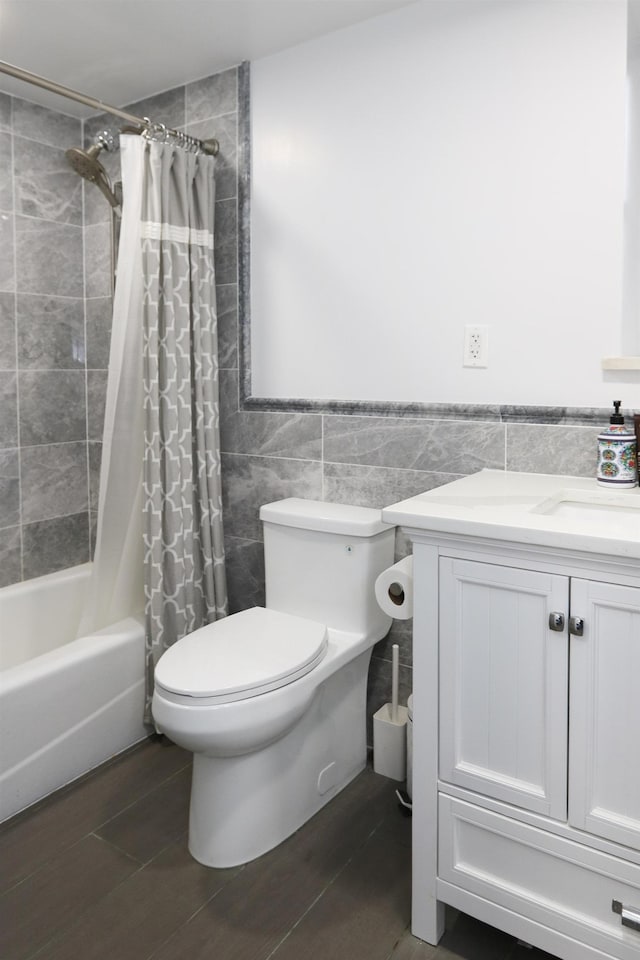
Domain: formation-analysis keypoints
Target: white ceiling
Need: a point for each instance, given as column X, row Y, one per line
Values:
column 120, row 51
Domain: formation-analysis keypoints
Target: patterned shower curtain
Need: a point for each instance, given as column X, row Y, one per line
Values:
column 185, row 585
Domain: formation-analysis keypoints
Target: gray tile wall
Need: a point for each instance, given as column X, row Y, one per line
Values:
column 44, row 492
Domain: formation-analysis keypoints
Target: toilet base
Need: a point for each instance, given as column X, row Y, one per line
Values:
column 241, row 807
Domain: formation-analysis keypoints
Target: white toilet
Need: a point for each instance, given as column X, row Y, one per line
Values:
column 272, row 700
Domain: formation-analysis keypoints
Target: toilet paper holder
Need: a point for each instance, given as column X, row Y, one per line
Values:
column 394, row 590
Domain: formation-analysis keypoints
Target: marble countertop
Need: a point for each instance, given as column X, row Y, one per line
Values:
column 529, row 508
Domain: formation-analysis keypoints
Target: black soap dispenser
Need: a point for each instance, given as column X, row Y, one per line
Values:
column 617, row 454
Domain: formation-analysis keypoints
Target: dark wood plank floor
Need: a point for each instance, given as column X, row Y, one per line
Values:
column 100, row 871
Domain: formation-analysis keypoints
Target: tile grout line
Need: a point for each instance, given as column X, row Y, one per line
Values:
column 16, row 333
column 70, row 846
column 143, row 796
column 96, row 827
column 311, row 905
column 177, row 932
column 61, row 934
column 329, row 884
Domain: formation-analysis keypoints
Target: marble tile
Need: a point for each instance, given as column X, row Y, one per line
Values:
column 227, row 304
column 48, row 126
column 52, row 406
column 9, row 488
column 453, row 447
column 167, row 108
column 248, row 482
column 96, row 206
column 266, row 434
column 245, row 573
column 44, row 183
column 51, row 545
column 96, row 399
column 8, row 409
column 54, row 481
column 226, row 242
column 6, row 176
column 550, row 449
column 93, row 531
column 95, row 458
column 225, row 131
column 7, row 269
column 404, row 545
column 5, row 111
column 50, row 333
column 10, row 556
column 558, row 416
column 401, row 632
column 48, row 257
column 99, row 317
column 97, row 254
column 7, row 331
column 212, row 96
column 393, row 410
column 377, row 486
column 228, row 392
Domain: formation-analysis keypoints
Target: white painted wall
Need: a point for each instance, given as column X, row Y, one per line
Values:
column 631, row 285
column 450, row 163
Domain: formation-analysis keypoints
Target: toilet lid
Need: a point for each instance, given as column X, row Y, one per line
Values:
column 242, row 656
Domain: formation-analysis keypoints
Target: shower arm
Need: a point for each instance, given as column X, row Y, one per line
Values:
column 207, row 146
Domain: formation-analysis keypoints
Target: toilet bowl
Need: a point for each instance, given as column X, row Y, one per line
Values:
column 271, row 701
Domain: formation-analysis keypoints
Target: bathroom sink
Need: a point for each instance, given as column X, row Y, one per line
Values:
column 529, row 508
column 593, row 507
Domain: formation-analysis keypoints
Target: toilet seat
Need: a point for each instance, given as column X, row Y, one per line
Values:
column 240, row 657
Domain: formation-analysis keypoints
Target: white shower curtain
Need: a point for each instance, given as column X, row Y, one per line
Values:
column 116, row 586
column 160, row 540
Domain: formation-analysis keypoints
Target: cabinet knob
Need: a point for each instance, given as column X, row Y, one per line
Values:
column 576, row 626
column 556, row 621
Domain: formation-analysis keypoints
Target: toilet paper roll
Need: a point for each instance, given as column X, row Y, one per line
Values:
column 394, row 590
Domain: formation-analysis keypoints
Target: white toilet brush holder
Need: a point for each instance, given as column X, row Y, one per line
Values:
column 390, row 732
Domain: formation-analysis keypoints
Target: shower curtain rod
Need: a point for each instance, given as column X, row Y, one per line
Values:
column 208, row 146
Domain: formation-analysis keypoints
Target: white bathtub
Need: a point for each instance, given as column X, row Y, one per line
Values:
column 66, row 705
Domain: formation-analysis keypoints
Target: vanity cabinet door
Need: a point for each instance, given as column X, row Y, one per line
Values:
column 604, row 739
column 503, row 684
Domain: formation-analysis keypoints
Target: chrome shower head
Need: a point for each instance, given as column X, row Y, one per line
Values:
column 87, row 165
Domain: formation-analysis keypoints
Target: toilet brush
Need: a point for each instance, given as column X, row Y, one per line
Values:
column 389, row 730
column 395, row 681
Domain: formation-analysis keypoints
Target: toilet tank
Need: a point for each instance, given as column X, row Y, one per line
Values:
column 322, row 560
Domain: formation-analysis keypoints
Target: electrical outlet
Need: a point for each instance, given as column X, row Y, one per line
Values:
column 476, row 346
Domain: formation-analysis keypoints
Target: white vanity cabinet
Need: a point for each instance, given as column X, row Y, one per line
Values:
column 604, row 724
column 526, row 712
column 503, row 683
column 529, row 663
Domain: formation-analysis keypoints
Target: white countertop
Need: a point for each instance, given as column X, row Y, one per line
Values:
column 530, row 508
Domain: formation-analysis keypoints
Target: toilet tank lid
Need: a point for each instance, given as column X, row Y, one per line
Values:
column 325, row 517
